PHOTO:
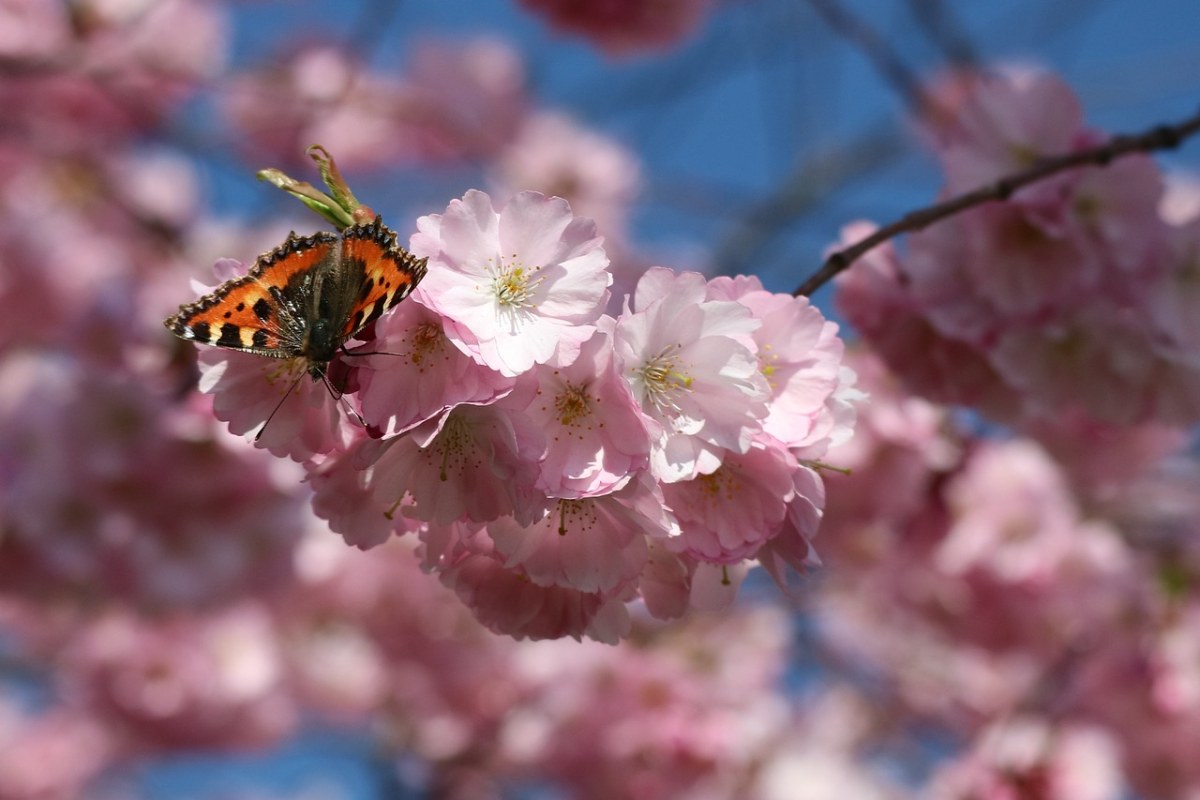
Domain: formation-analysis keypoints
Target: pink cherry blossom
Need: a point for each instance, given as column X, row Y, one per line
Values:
column 877, row 301
column 800, row 356
column 1100, row 457
column 1157, row 724
column 466, row 97
column 288, row 412
column 471, row 463
column 714, row 587
column 595, row 437
column 791, row 549
column 1105, row 360
column 1173, row 293
column 516, row 287
column 454, row 101
column 418, row 373
column 507, row 602
column 1008, row 121
column 372, row 632
column 677, row 716
column 1013, row 517
column 901, row 444
column 160, row 45
column 31, row 28
column 1061, row 300
column 666, row 581
column 344, row 498
column 690, row 365
column 594, row 544
column 729, row 514
column 1007, row 268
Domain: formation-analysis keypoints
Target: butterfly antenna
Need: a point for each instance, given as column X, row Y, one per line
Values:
column 340, row 397
column 278, row 405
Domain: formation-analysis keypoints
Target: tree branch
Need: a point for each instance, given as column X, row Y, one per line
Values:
column 944, row 30
column 875, row 47
column 810, row 182
column 1161, row 137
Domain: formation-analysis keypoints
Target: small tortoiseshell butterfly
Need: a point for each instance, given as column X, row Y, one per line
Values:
column 305, row 298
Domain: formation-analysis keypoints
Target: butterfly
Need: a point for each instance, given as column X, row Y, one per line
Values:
column 306, row 297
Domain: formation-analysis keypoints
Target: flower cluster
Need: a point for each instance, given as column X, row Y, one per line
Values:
column 557, row 462
column 1071, row 297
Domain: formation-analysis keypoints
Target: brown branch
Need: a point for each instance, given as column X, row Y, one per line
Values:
column 1161, row 137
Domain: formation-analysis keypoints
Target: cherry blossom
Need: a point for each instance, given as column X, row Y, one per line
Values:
column 287, row 411
column 1023, row 755
column 511, row 545
column 594, row 544
column 416, row 372
column 517, row 286
column 800, row 356
column 505, row 601
column 728, row 514
column 596, row 440
column 470, row 463
column 92, row 531
column 1058, row 300
column 453, row 101
column 1005, row 123
column 690, row 365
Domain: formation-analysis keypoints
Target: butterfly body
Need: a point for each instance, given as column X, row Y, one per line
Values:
column 305, row 298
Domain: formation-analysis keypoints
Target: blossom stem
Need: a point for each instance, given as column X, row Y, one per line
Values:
column 1160, row 137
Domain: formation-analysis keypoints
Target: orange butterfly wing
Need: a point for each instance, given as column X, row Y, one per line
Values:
column 388, row 272
column 255, row 312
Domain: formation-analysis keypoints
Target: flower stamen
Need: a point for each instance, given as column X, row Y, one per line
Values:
column 572, row 404
column 663, row 379
column 514, row 286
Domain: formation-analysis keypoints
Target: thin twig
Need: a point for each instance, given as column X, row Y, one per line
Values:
column 943, row 29
column 808, row 184
column 875, row 47
column 1161, row 137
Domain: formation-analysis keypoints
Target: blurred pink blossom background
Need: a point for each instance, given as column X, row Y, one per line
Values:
column 606, row 510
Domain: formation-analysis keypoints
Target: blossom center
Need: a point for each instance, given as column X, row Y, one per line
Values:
column 663, row 379
column 767, row 362
column 718, row 487
column 572, row 404
column 424, row 342
column 514, row 286
column 454, row 443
